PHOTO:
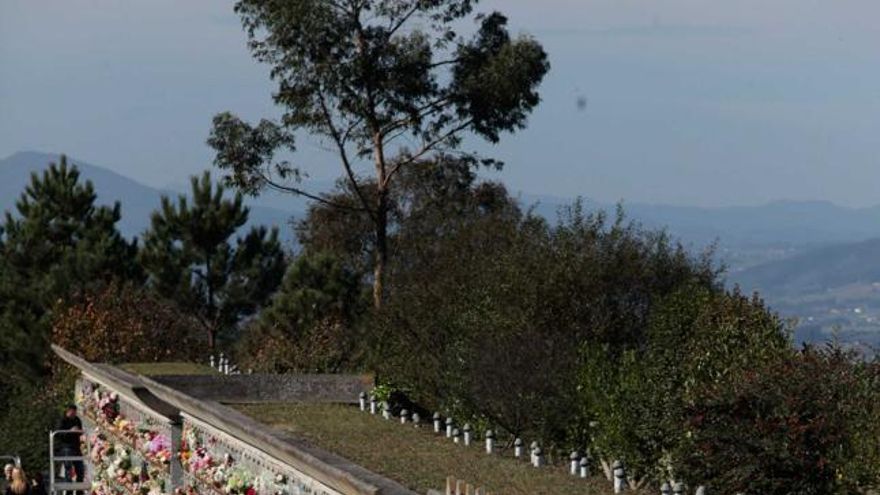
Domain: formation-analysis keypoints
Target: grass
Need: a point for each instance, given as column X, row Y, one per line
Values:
column 416, row 458
column 159, row 369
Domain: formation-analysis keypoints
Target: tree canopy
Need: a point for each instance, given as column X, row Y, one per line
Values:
column 59, row 242
column 386, row 83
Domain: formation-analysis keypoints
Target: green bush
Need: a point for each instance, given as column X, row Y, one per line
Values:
column 696, row 337
column 492, row 322
column 805, row 424
column 311, row 322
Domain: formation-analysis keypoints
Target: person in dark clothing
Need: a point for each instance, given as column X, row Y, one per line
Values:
column 69, row 443
column 38, row 487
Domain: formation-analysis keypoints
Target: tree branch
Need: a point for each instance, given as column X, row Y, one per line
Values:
column 427, row 109
column 301, row 192
column 444, row 62
column 428, row 147
column 393, row 29
column 343, row 154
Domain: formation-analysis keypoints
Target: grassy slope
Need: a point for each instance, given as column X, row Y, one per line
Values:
column 159, row 369
column 416, row 458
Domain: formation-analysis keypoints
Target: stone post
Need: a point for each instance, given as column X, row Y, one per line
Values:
column 466, row 432
column 678, row 489
column 372, row 404
column 362, row 401
column 386, row 410
column 417, row 420
column 404, row 416
column 176, row 467
column 665, row 489
column 436, row 422
column 518, row 447
column 490, row 441
column 585, row 467
column 532, row 448
column 574, row 462
column 449, row 424
column 539, row 457
column 211, row 361
column 619, row 476
column 455, row 435
column 701, row 490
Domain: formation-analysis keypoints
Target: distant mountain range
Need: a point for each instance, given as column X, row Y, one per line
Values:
column 138, row 200
column 814, row 260
column 795, row 223
column 779, row 247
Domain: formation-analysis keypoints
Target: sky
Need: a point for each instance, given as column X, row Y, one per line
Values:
column 689, row 102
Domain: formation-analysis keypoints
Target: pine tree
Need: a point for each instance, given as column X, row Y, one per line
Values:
column 190, row 258
column 59, row 243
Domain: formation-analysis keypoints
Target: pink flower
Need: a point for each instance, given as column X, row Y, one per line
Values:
column 159, row 443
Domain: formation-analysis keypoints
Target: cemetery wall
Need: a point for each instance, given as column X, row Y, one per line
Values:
column 146, row 437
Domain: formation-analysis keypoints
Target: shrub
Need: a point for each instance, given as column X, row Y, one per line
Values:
column 805, row 424
column 124, row 323
column 491, row 321
column 696, row 337
column 311, row 322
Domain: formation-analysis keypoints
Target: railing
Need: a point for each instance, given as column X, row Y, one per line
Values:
column 65, row 486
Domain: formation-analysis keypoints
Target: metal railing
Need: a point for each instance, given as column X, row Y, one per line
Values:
column 16, row 460
column 65, row 486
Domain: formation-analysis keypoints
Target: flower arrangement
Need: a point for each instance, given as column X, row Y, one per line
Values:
column 104, row 409
column 131, row 456
column 202, row 457
column 117, row 472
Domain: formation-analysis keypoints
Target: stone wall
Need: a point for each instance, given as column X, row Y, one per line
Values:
column 271, row 388
column 147, row 437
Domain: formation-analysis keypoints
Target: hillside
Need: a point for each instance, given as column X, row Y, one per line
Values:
column 138, row 200
column 816, row 270
column 829, row 290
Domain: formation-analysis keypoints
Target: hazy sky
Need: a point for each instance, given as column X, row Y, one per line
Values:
column 689, row 101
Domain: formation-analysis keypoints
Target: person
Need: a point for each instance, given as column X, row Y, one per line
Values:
column 69, row 443
column 38, row 486
column 18, row 485
column 7, row 477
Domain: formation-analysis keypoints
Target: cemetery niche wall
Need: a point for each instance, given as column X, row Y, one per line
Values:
column 143, row 437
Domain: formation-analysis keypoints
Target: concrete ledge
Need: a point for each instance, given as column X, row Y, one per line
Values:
column 258, row 388
column 124, row 383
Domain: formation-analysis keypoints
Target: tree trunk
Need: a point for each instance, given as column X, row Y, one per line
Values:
column 381, row 225
column 212, row 326
column 381, row 259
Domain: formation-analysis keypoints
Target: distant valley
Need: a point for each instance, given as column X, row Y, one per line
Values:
column 814, row 261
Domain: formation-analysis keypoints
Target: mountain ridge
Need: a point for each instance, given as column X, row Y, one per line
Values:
column 137, row 200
